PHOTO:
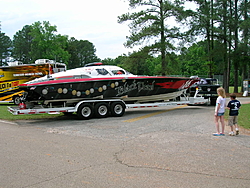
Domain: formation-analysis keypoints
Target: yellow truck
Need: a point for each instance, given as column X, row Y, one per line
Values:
column 16, row 73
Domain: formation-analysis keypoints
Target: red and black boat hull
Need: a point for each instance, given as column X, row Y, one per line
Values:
column 130, row 89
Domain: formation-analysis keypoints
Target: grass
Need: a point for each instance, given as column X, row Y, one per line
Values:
column 231, row 89
column 6, row 115
column 244, row 117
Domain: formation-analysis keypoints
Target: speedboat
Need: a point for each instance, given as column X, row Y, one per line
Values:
column 98, row 81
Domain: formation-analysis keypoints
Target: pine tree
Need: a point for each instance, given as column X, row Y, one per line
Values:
column 149, row 26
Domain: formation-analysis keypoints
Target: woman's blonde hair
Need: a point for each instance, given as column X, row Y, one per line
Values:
column 221, row 92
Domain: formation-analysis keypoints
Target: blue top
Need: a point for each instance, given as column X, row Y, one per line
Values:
column 234, row 106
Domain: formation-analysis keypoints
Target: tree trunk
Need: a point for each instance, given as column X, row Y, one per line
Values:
column 226, row 56
column 163, row 41
column 236, row 44
column 245, row 62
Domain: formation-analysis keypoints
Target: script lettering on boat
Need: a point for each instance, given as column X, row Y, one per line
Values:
column 143, row 86
column 134, row 86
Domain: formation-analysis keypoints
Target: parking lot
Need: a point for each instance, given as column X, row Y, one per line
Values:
column 153, row 147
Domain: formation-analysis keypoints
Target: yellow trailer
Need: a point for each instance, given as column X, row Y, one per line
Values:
column 16, row 73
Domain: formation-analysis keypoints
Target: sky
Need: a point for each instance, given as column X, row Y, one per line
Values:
column 92, row 20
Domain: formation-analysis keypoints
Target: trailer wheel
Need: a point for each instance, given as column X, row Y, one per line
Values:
column 85, row 111
column 16, row 100
column 117, row 109
column 101, row 110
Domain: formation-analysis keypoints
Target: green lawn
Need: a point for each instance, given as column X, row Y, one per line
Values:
column 231, row 89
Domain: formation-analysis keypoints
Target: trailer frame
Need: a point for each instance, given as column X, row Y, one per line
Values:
column 86, row 109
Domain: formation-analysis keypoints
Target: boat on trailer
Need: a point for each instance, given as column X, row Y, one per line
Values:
column 98, row 81
column 101, row 90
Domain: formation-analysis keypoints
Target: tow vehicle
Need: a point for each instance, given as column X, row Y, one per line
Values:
column 207, row 88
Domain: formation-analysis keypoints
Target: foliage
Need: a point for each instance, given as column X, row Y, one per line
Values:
column 5, row 46
column 119, row 61
column 22, row 45
column 81, row 52
column 149, row 25
column 225, row 22
column 136, row 63
column 195, row 62
column 154, row 65
column 40, row 41
column 46, row 44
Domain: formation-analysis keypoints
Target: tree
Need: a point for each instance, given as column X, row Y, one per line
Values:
column 194, row 61
column 46, row 44
column 119, row 61
column 221, row 21
column 238, row 11
column 150, row 26
column 154, row 65
column 245, row 47
column 72, row 49
column 5, row 48
column 22, row 42
column 136, row 63
column 86, row 52
column 81, row 52
column 39, row 41
column 202, row 24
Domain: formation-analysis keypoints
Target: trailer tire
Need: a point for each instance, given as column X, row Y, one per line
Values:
column 16, row 100
column 101, row 110
column 85, row 111
column 117, row 109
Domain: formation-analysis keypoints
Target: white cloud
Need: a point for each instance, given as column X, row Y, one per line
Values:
column 95, row 21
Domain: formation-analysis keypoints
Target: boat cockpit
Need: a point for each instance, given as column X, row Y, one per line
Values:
column 85, row 72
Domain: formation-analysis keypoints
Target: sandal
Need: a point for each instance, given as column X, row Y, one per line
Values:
column 216, row 134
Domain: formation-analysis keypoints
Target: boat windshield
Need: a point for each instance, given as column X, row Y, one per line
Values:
column 102, row 71
column 105, row 72
column 118, row 72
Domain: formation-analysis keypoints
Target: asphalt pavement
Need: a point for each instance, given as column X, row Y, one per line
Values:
column 165, row 147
